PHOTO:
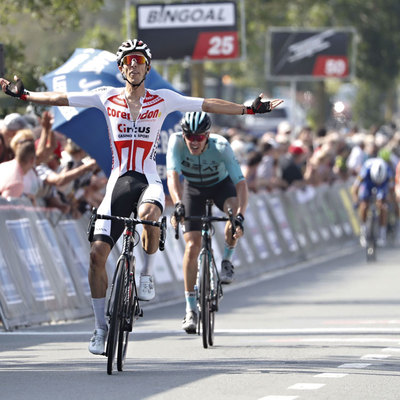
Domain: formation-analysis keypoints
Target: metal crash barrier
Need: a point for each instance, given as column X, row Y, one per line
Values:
column 44, row 258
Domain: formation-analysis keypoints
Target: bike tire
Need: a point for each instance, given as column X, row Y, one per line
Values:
column 371, row 239
column 213, row 304
column 204, row 298
column 115, row 310
column 126, row 319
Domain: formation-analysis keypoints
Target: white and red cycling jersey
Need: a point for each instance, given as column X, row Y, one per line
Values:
column 133, row 145
column 134, row 142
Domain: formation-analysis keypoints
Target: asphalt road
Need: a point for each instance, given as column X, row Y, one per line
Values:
column 323, row 330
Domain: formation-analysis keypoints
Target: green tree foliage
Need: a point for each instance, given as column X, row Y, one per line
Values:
column 52, row 14
column 80, row 24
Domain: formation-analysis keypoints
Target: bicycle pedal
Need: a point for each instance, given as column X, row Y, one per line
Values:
column 139, row 313
column 128, row 327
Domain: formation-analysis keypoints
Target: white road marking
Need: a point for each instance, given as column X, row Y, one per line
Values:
column 375, row 356
column 363, row 322
column 354, row 365
column 392, row 349
column 330, row 375
column 306, row 386
column 279, row 398
column 246, row 332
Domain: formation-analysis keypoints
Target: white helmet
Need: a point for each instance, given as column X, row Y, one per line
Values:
column 133, row 45
column 378, row 171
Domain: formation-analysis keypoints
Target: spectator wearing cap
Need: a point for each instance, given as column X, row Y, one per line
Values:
column 291, row 165
column 284, row 131
column 11, row 124
column 12, row 172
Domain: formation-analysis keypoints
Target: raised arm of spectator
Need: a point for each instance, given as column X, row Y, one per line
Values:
column 47, row 140
column 64, row 177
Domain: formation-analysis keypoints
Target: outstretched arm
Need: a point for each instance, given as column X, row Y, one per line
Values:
column 16, row 89
column 219, row 106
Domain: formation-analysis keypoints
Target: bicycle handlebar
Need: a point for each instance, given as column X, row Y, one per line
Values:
column 208, row 219
column 127, row 220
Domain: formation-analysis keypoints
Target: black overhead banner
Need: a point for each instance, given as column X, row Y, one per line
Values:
column 313, row 54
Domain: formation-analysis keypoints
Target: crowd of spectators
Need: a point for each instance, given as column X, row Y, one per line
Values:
column 45, row 167
column 53, row 171
column 296, row 157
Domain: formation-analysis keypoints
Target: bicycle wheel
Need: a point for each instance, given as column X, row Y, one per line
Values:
column 204, row 298
column 371, row 239
column 126, row 316
column 115, row 311
column 213, row 304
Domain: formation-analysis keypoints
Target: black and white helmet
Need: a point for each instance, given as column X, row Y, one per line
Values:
column 130, row 46
column 196, row 122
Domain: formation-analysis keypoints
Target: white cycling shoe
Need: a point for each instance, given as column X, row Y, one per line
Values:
column 98, row 341
column 146, row 289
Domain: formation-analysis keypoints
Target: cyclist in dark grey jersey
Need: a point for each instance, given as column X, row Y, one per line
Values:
column 211, row 171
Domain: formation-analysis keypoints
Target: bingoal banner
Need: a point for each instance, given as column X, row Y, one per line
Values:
column 196, row 31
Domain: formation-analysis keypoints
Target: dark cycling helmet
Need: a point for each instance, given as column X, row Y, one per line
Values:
column 378, row 171
column 196, row 122
column 130, row 46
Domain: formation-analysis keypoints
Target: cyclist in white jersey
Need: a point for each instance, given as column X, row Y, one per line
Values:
column 134, row 117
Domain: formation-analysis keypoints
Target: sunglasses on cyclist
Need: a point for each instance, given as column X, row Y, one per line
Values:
column 194, row 138
column 139, row 59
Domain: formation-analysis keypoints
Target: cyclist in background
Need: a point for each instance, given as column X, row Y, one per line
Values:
column 392, row 201
column 134, row 116
column 211, row 171
column 375, row 173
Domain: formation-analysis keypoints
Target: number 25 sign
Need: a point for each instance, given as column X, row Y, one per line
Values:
column 216, row 45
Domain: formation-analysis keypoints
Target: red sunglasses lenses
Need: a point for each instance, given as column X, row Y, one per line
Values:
column 127, row 60
column 193, row 138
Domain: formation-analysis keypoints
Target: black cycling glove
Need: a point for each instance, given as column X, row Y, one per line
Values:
column 179, row 211
column 16, row 89
column 259, row 107
column 239, row 219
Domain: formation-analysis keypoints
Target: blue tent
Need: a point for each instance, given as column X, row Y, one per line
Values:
column 88, row 69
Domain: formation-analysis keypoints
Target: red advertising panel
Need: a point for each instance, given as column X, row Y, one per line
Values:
column 199, row 31
column 310, row 54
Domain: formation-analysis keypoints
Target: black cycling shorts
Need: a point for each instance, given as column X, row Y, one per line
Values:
column 129, row 191
column 194, row 199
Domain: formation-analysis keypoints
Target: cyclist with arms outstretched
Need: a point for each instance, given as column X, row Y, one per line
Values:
column 134, row 116
column 210, row 171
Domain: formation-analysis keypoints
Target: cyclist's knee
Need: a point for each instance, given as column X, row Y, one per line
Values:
column 193, row 248
column 149, row 212
column 99, row 252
